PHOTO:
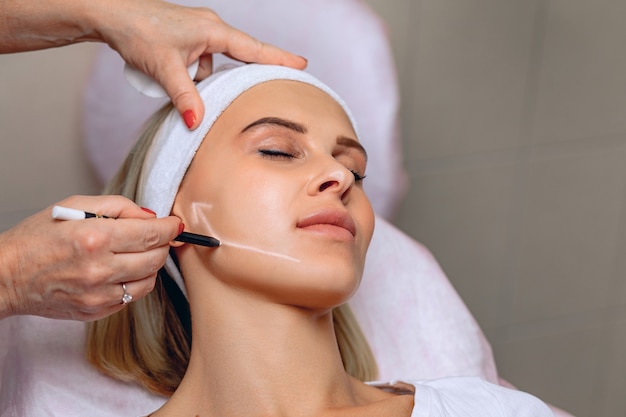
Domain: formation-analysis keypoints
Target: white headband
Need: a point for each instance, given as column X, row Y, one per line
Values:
column 174, row 145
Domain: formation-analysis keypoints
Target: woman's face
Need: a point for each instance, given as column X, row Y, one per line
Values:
column 278, row 181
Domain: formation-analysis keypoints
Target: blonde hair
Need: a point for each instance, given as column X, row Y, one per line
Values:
column 147, row 343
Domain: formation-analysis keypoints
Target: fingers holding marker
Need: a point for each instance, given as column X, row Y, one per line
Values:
column 134, row 229
column 151, row 240
column 158, row 236
column 75, row 269
column 138, row 267
column 144, row 235
column 112, row 252
column 114, row 206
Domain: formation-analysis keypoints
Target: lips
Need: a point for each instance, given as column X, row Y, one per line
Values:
column 333, row 222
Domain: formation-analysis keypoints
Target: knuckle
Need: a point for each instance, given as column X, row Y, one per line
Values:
column 151, row 283
column 258, row 48
column 210, row 15
column 95, row 276
column 91, row 240
column 147, row 287
column 117, row 201
column 258, row 45
column 155, row 263
column 89, row 304
column 181, row 96
column 151, row 239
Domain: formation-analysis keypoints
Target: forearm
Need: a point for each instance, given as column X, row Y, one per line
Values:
column 27, row 25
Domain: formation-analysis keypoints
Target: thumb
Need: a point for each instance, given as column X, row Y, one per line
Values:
column 182, row 91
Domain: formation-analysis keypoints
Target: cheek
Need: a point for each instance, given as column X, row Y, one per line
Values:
column 254, row 209
column 196, row 205
column 369, row 220
column 366, row 220
column 363, row 213
column 255, row 225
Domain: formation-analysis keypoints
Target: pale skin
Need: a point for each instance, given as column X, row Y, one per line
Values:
column 263, row 338
column 75, row 270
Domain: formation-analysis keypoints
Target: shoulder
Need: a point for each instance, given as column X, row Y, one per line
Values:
column 473, row 396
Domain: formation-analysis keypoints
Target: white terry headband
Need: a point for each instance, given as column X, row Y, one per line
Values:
column 175, row 146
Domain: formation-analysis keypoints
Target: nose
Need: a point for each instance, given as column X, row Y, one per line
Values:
column 333, row 177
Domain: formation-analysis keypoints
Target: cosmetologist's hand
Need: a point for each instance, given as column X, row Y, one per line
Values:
column 161, row 39
column 75, row 269
column 158, row 38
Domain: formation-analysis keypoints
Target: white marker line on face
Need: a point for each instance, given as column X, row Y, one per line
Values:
column 200, row 215
column 261, row 251
column 199, row 212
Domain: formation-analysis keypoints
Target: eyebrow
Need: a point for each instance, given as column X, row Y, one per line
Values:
column 351, row 143
column 277, row 121
column 299, row 128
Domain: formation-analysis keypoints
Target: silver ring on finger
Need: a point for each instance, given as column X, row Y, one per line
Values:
column 126, row 298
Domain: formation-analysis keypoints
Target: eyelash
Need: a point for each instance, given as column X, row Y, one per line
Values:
column 276, row 154
column 358, row 177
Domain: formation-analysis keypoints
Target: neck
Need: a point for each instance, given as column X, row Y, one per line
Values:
column 252, row 357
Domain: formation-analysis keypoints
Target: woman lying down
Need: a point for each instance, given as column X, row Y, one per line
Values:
column 259, row 326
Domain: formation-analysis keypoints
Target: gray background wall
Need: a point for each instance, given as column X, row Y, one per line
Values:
column 515, row 142
column 514, row 117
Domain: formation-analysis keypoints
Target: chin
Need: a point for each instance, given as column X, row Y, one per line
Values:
column 320, row 280
column 327, row 288
column 320, row 301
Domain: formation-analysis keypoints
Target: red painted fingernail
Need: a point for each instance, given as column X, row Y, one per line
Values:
column 190, row 118
column 147, row 210
column 181, row 228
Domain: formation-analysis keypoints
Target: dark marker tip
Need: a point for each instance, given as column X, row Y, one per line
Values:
column 196, row 239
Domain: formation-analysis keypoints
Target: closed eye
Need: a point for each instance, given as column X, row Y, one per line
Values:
column 278, row 154
column 358, row 177
column 275, row 154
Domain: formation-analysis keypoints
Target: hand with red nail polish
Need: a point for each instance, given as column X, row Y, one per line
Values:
column 190, row 118
column 75, row 269
column 160, row 39
column 147, row 210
